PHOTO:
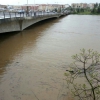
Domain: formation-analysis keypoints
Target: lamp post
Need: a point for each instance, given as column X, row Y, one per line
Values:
column 47, row 7
column 56, row 6
column 34, row 9
column 27, row 9
column 34, row 5
column 27, row 2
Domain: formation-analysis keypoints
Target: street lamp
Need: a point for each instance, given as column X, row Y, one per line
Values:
column 27, row 8
column 34, row 9
column 27, row 2
column 34, row 5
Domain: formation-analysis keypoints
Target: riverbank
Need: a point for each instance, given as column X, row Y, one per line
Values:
column 86, row 13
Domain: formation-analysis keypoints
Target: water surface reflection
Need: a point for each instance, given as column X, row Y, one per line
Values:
column 33, row 62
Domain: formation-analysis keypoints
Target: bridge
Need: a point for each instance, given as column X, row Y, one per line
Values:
column 10, row 22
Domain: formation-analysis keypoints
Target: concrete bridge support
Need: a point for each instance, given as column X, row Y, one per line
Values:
column 19, row 24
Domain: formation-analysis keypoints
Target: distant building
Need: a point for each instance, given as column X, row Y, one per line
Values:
column 66, row 5
column 31, row 7
column 42, row 7
column 91, row 5
column 3, row 6
column 82, row 5
column 79, row 5
column 17, row 7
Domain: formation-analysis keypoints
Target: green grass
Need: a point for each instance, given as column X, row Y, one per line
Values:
column 84, row 13
column 87, row 13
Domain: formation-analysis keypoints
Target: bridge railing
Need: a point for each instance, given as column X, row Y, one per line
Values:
column 5, row 14
column 9, row 16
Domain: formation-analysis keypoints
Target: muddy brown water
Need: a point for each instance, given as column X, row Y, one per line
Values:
column 33, row 62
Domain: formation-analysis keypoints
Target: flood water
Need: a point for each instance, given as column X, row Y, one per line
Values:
column 33, row 62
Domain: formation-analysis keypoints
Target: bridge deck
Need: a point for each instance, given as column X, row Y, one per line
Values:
column 17, row 22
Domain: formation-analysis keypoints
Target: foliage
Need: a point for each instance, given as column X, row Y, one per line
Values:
column 95, row 10
column 86, row 66
column 55, row 9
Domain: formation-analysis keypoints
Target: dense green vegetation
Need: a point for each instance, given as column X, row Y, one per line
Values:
column 87, row 11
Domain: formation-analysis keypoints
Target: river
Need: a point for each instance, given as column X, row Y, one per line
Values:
column 33, row 62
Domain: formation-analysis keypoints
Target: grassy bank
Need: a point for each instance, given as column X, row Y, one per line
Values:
column 87, row 13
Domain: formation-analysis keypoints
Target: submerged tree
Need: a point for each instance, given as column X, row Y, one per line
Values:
column 86, row 66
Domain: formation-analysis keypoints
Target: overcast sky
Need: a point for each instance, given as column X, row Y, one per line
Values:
column 20, row 2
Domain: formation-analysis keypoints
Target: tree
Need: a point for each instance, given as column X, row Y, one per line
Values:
column 78, row 10
column 93, row 10
column 55, row 9
column 86, row 66
column 98, row 10
column 82, row 10
column 96, row 5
